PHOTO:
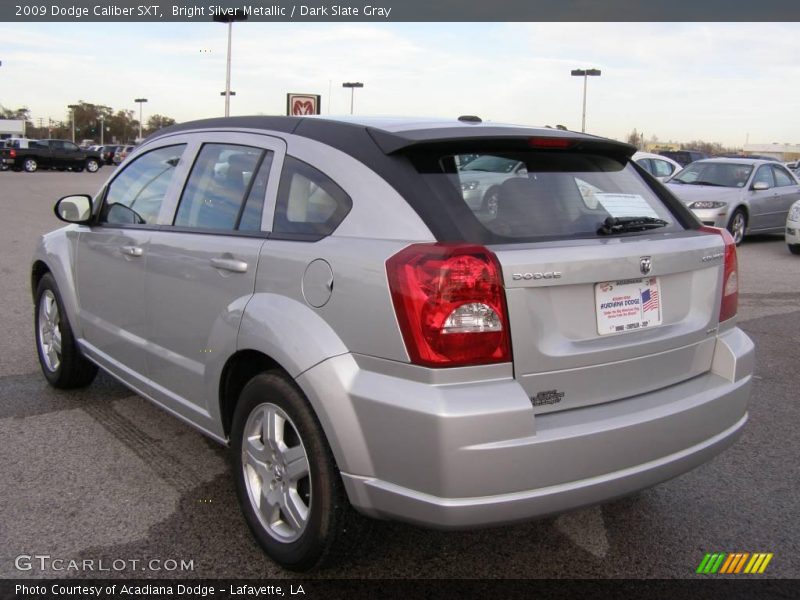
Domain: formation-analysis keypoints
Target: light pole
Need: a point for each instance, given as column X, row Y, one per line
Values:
column 585, row 73
column 72, row 108
column 236, row 15
column 352, row 85
column 102, row 128
column 140, row 101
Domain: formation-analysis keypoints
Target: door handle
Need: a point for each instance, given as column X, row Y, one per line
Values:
column 229, row 264
column 132, row 250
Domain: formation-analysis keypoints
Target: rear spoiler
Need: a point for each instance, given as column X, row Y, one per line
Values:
column 489, row 137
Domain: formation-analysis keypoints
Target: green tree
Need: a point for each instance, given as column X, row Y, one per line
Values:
column 157, row 122
column 19, row 114
column 634, row 138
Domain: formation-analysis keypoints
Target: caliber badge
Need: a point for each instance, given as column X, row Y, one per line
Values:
column 547, row 397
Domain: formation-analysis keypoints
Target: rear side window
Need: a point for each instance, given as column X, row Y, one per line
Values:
column 661, row 168
column 309, row 202
column 136, row 194
column 782, row 178
column 528, row 196
column 217, row 186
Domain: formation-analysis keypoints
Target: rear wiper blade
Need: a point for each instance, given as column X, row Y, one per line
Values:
column 614, row 225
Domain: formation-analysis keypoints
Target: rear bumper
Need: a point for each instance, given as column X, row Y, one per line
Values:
column 459, row 455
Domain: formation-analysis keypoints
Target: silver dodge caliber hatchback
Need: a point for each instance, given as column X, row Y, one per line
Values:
column 319, row 295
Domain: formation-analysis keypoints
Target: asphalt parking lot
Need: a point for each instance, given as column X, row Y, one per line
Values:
column 102, row 474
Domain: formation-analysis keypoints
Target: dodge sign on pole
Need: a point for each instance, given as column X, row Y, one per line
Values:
column 303, row 104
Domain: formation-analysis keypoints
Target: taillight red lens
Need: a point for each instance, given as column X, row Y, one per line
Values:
column 13, row 153
column 450, row 304
column 730, row 277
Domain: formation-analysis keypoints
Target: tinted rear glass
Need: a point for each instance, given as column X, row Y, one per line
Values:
column 532, row 196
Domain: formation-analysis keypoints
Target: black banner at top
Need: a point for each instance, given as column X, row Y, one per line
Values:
column 399, row 10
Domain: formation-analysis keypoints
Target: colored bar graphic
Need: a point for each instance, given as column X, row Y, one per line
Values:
column 718, row 564
column 764, row 564
column 727, row 565
column 703, row 563
column 740, row 565
column 724, row 563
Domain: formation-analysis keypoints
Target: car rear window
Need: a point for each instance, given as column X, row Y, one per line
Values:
column 531, row 196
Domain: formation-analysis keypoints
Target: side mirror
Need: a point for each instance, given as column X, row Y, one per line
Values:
column 760, row 186
column 74, row 209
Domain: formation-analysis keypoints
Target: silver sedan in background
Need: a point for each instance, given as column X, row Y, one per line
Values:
column 743, row 195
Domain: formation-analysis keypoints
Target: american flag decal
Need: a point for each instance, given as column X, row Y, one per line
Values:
column 650, row 299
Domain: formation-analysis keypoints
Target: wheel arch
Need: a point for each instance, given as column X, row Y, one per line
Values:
column 38, row 270
column 240, row 368
column 744, row 208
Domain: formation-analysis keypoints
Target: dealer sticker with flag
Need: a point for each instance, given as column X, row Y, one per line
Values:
column 627, row 305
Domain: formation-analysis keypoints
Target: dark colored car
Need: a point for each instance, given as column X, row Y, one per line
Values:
column 684, row 157
column 108, row 154
column 57, row 154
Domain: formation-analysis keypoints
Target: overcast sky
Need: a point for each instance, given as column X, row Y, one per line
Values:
column 723, row 82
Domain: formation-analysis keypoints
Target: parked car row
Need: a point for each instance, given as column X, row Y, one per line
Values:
column 744, row 195
column 23, row 154
column 32, row 155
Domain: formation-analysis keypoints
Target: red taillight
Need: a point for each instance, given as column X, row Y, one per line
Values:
column 450, row 304
column 730, row 277
column 13, row 153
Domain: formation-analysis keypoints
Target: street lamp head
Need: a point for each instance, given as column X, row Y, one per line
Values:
column 140, row 100
column 231, row 93
column 352, row 84
column 236, row 14
column 585, row 72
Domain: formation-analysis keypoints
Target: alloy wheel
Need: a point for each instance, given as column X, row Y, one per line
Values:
column 276, row 472
column 49, row 331
column 737, row 227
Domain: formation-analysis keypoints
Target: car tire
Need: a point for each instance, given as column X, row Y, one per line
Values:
column 490, row 200
column 62, row 363
column 30, row 165
column 92, row 165
column 287, row 482
column 737, row 226
column 794, row 248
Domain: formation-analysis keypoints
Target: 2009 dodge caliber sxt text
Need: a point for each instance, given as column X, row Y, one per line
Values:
column 327, row 297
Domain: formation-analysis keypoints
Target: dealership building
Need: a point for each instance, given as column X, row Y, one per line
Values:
column 782, row 152
column 11, row 128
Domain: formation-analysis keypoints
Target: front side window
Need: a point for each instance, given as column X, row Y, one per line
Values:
column 216, row 188
column 764, row 175
column 309, row 202
column 136, row 194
